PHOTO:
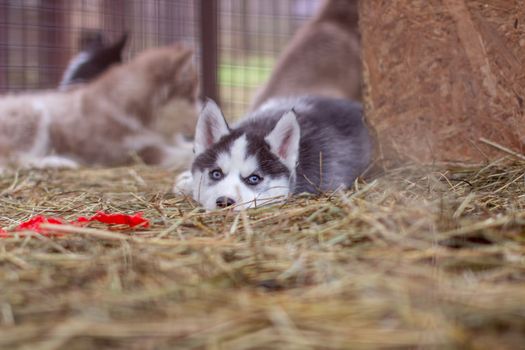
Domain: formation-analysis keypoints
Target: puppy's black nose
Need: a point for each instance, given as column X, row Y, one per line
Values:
column 223, row 202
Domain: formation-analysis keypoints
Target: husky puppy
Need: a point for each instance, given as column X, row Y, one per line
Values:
column 287, row 146
column 94, row 59
column 133, row 109
column 323, row 58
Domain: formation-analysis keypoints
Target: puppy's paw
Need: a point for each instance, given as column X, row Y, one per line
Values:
column 50, row 162
column 183, row 183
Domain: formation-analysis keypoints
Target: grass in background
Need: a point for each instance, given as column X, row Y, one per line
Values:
column 239, row 79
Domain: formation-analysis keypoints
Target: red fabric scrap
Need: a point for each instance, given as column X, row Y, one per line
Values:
column 4, row 234
column 34, row 223
column 117, row 219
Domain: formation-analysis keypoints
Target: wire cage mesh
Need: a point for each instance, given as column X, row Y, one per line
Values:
column 38, row 37
column 252, row 34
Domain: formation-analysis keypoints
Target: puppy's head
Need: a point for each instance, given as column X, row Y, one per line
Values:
column 166, row 72
column 158, row 86
column 242, row 168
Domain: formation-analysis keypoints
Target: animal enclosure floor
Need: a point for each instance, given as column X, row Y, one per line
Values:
column 418, row 257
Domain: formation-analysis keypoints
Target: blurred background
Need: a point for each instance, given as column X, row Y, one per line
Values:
column 236, row 41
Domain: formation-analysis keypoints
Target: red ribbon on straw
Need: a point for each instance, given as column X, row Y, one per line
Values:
column 117, row 219
column 34, row 224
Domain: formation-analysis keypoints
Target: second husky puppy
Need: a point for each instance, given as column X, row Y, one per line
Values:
column 292, row 145
column 323, row 58
column 134, row 109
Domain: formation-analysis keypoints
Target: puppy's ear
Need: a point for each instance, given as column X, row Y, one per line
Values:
column 95, row 58
column 284, row 139
column 211, row 126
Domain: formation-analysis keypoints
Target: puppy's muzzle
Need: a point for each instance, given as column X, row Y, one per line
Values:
column 223, row 202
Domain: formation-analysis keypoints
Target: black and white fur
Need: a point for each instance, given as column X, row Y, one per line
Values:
column 287, row 146
column 95, row 58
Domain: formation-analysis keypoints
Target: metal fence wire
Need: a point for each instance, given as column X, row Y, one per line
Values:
column 236, row 42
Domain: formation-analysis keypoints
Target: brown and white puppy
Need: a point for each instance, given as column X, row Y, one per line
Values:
column 137, row 108
column 322, row 59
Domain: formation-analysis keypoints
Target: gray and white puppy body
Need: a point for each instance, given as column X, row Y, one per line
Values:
column 287, row 146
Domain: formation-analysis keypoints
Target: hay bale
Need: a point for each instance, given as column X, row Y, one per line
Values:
column 443, row 75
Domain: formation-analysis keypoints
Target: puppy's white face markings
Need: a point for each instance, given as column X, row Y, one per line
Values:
column 74, row 64
column 237, row 160
column 236, row 165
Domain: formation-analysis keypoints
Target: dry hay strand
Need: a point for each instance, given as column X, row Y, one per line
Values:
column 417, row 257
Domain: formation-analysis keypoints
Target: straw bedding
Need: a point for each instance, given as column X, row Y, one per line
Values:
column 416, row 257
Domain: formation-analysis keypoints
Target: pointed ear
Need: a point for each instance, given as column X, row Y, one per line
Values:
column 94, row 59
column 116, row 49
column 284, row 139
column 211, row 126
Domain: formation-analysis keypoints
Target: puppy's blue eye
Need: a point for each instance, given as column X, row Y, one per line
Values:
column 216, row 174
column 253, row 179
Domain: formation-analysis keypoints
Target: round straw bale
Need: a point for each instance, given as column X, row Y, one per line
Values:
column 445, row 78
